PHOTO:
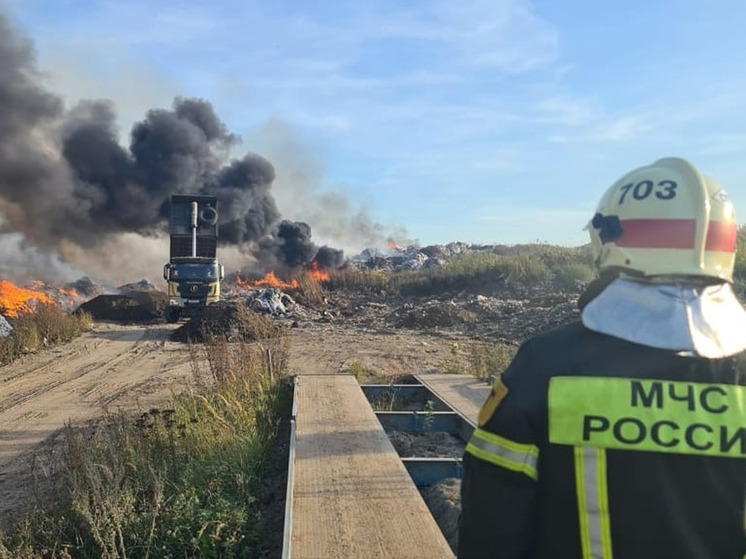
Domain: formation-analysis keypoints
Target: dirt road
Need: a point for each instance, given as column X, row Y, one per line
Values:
column 324, row 349
column 112, row 367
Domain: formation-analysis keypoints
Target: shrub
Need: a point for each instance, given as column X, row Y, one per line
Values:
column 311, row 290
column 570, row 275
column 46, row 326
column 490, row 360
column 361, row 280
column 526, row 269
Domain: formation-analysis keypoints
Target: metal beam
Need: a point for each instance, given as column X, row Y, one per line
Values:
column 401, row 395
column 429, row 471
column 420, row 422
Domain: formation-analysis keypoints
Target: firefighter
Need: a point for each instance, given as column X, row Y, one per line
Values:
column 623, row 435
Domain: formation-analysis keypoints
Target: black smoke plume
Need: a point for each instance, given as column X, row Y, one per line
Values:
column 295, row 245
column 329, row 258
column 65, row 177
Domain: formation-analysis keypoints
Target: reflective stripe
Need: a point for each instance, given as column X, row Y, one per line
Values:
column 593, row 502
column 722, row 236
column 503, row 452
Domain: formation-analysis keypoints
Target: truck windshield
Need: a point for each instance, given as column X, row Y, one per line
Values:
column 194, row 271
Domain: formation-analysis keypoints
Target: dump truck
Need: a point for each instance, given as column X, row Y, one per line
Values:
column 192, row 272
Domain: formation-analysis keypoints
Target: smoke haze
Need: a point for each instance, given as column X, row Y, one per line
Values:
column 73, row 197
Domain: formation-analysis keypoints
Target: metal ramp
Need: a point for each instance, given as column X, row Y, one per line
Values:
column 349, row 494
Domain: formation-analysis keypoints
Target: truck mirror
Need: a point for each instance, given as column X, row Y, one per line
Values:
column 222, row 273
column 165, row 271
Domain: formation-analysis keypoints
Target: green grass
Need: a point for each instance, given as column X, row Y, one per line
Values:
column 480, row 272
column 182, row 481
column 364, row 374
column 489, row 359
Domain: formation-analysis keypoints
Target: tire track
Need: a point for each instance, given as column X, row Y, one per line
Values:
column 126, row 366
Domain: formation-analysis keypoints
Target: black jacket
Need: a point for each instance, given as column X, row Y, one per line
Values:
column 669, row 479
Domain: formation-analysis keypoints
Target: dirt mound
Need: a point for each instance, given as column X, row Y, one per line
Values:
column 437, row 315
column 145, row 307
column 229, row 320
column 518, row 320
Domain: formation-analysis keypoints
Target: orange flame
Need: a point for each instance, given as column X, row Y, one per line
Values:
column 73, row 293
column 394, row 246
column 15, row 300
column 317, row 273
column 270, row 280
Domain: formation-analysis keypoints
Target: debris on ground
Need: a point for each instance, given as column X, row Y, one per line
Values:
column 5, row 327
column 226, row 320
column 436, row 314
column 270, row 301
column 138, row 286
column 427, row 445
column 398, row 259
column 444, row 501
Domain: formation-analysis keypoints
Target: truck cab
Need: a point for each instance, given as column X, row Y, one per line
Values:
column 192, row 284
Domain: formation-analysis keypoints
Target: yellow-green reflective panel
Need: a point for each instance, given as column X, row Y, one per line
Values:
column 648, row 415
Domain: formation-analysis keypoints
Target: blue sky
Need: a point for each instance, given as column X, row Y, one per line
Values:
column 484, row 121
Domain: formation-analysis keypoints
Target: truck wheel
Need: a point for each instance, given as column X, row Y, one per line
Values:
column 172, row 314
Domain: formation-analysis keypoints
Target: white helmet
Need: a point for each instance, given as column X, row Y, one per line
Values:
column 666, row 219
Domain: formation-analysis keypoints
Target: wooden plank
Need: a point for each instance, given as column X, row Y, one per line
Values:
column 353, row 497
column 463, row 393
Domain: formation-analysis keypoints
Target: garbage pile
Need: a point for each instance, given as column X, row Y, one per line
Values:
column 410, row 258
column 434, row 314
column 5, row 327
column 85, row 287
column 270, row 301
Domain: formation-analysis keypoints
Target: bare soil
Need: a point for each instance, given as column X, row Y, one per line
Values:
column 114, row 367
column 387, row 353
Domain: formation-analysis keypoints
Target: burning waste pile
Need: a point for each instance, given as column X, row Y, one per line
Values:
column 135, row 302
column 17, row 300
column 271, row 295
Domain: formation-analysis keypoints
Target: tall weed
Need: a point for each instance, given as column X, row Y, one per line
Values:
column 175, row 482
column 48, row 325
column 490, row 360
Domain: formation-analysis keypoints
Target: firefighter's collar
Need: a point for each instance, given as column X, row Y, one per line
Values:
column 707, row 321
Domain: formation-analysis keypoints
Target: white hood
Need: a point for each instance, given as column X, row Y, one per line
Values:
column 707, row 321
